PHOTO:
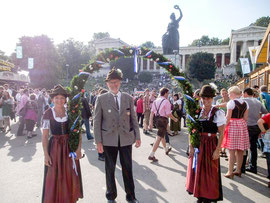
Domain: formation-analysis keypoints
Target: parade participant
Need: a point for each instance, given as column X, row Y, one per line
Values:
column 1, row 109
column 31, row 115
column 86, row 114
column 161, row 108
column 146, row 111
column 61, row 183
column 254, row 112
column 236, row 133
column 153, row 97
column 177, row 107
column 23, row 100
column 139, row 110
column 7, row 106
column 222, row 104
column 115, row 130
column 203, row 173
column 266, row 139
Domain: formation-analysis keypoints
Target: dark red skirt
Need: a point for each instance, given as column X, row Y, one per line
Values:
column 206, row 181
column 61, row 184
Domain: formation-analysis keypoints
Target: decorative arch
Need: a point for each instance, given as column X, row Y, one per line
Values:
column 76, row 88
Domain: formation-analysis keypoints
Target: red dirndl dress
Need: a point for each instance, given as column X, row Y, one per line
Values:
column 205, row 182
column 236, row 133
column 61, row 184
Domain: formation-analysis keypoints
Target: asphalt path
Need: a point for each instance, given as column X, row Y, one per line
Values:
column 21, row 173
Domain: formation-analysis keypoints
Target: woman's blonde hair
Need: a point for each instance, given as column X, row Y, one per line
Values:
column 235, row 89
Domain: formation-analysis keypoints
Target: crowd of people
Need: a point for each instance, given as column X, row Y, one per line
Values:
column 234, row 124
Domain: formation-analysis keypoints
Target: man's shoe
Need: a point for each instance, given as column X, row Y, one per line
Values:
column 168, row 151
column 133, row 201
column 152, row 158
column 90, row 138
column 252, row 170
column 100, row 158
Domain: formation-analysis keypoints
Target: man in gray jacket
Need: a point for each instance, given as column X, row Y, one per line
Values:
column 115, row 130
column 254, row 111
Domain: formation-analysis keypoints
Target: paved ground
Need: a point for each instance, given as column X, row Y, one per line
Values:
column 21, row 169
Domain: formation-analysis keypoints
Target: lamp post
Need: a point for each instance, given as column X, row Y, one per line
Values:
column 67, row 66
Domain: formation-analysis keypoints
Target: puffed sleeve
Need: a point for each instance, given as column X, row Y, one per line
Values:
column 46, row 119
column 45, row 124
column 220, row 118
column 230, row 104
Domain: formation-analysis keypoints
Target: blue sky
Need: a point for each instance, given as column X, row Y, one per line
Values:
column 133, row 21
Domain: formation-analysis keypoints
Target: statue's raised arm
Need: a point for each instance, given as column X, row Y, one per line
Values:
column 181, row 14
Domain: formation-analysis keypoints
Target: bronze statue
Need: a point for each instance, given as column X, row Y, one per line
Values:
column 170, row 40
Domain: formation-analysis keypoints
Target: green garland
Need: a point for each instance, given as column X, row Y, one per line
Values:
column 76, row 89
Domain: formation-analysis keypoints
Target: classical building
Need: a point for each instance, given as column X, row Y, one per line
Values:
column 226, row 56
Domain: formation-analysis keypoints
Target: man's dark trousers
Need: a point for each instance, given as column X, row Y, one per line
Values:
column 126, row 163
column 254, row 132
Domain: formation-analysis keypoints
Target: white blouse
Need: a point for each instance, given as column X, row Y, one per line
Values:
column 219, row 117
column 231, row 103
column 46, row 122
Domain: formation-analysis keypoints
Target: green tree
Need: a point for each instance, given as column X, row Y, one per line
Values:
column 126, row 65
column 206, row 41
column 262, row 21
column 3, row 56
column 201, row 66
column 225, row 41
column 148, row 44
column 145, row 77
column 73, row 54
column 46, row 61
column 100, row 35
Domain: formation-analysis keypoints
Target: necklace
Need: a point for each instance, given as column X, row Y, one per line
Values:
column 60, row 113
column 205, row 113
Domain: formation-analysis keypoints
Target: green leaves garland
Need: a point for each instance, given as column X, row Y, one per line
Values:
column 76, row 90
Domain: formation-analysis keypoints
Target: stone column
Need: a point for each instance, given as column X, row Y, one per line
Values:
column 222, row 60
column 244, row 49
column 141, row 64
column 155, row 66
column 233, row 52
column 183, row 62
column 148, row 64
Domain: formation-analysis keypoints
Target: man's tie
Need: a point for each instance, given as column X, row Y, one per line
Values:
column 116, row 101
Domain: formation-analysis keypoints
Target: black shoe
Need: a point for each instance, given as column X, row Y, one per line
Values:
column 252, row 170
column 133, row 201
column 168, row 151
column 100, row 158
column 152, row 144
column 152, row 158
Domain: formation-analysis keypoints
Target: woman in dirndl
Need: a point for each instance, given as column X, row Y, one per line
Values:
column 203, row 173
column 176, row 126
column 61, row 183
column 236, row 138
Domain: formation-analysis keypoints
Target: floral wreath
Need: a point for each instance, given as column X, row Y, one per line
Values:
column 76, row 89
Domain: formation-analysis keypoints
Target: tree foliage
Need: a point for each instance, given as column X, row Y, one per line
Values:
column 3, row 56
column 148, row 44
column 201, row 66
column 206, row 41
column 145, row 77
column 100, row 35
column 262, row 21
column 73, row 54
column 46, row 67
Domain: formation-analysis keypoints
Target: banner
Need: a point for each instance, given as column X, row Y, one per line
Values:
column 253, row 52
column 268, row 50
column 245, row 65
column 19, row 53
column 30, row 63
